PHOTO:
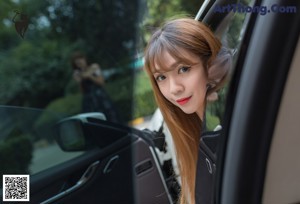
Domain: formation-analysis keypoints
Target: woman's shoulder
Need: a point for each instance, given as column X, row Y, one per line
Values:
column 210, row 139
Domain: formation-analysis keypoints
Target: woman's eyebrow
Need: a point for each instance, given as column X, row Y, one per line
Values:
column 158, row 72
column 181, row 63
column 174, row 65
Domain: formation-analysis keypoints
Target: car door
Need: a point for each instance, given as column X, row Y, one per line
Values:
column 89, row 160
column 258, row 160
column 269, row 61
column 51, row 151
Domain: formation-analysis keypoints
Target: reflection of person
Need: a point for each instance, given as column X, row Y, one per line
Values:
column 83, row 71
column 178, row 60
column 89, row 76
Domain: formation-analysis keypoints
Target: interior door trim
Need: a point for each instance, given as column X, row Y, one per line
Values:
column 87, row 175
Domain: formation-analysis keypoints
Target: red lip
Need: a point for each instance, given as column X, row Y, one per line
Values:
column 183, row 101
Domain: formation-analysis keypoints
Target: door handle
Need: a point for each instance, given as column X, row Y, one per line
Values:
column 86, row 176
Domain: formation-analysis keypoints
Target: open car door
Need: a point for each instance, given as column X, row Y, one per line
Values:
column 258, row 158
column 99, row 161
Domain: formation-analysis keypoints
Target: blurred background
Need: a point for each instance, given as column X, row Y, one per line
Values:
column 35, row 69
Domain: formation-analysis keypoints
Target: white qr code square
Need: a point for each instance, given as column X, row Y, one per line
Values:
column 15, row 187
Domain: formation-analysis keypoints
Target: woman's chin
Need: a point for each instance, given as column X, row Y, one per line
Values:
column 187, row 111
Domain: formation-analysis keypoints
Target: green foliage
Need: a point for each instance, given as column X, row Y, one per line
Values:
column 29, row 75
column 121, row 92
column 211, row 121
column 72, row 87
column 61, row 107
column 15, row 154
column 36, row 69
column 135, row 101
column 235, row 29
column 217, row 108
column 108, row 24
column 141, row 83
column 160, row 11
column 144, row 104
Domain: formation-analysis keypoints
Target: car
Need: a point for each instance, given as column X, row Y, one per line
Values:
column 56, row 153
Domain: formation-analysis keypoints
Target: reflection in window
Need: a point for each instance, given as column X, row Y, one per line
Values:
column 27, row 144
column 231, row 32
column 35, row 68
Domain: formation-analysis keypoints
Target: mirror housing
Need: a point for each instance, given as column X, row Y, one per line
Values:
column 85, row 131
column 71, row 134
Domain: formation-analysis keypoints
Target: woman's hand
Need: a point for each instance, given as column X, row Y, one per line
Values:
column 94, row 73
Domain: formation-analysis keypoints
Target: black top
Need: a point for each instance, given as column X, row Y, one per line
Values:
column 206, row 167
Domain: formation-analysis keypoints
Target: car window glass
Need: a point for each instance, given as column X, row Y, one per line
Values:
column 63, row 58
column 27, row 142
column 231, row 31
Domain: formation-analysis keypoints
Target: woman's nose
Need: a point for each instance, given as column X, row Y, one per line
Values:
column 175, row 86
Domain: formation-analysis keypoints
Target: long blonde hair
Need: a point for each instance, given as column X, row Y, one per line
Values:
column 195, row 37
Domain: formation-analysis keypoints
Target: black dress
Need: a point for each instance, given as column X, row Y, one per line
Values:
column 96, row 99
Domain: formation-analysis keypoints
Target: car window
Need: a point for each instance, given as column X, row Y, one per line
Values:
column 59, row 59
column 231, row 30
column 27, row 144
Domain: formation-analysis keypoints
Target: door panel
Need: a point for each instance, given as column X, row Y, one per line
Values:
column 130, row 175
column 282, row 182
column 58, row 179
column 119, row 165
column 265, row 66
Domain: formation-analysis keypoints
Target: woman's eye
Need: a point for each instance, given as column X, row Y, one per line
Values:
column 160, row 78
column 183, row 69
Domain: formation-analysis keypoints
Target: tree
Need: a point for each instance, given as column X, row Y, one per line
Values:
column 35, row 70
column 159, row 11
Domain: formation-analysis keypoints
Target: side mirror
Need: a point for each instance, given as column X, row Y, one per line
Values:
column 71, row 134
column 85, row 131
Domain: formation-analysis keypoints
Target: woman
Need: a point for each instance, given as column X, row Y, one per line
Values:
column 95, row 98
column 178, row 60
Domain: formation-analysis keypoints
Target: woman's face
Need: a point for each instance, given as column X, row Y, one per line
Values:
column 183, row 84
column 81, row 63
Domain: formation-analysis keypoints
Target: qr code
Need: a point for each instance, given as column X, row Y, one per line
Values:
column 15, row 187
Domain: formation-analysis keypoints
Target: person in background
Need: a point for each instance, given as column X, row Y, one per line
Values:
column 91, row 81
column 178, row 61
